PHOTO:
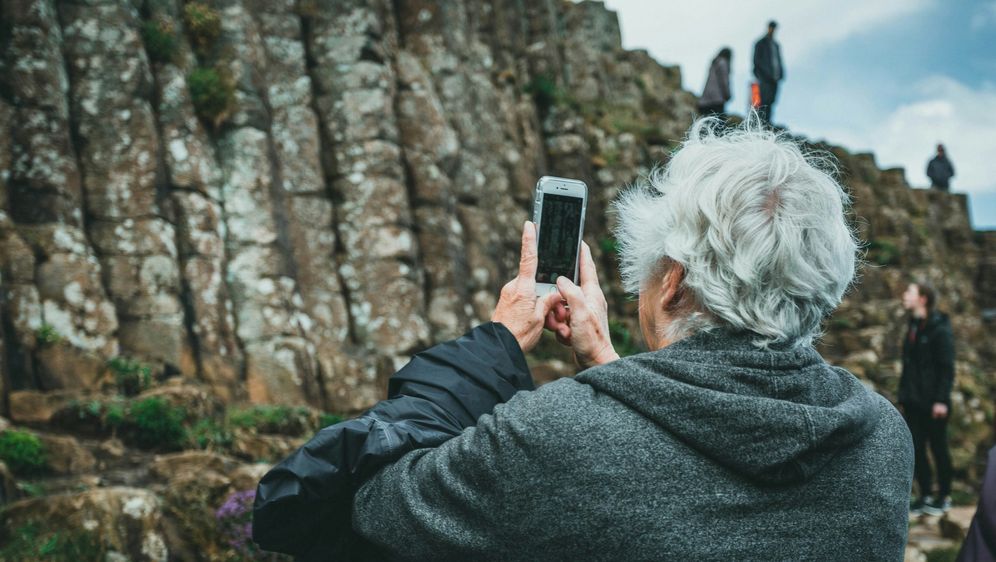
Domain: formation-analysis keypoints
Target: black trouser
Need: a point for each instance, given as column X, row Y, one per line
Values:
column 769, row 90
column 716, row 109
column 927, row 430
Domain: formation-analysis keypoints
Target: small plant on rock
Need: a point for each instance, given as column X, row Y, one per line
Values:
column 47, row 335
column 130, row 376
column 235, row 523
column 22, row 451
column 326, row 419
column 155, row 423
column 212, row 93
column 160, row 40
column 210, row 434
column 271, row 418
column 203, row 26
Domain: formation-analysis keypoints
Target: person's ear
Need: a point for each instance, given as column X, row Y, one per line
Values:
column 671, row 286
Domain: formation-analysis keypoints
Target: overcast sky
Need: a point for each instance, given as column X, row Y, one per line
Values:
column 894, row 77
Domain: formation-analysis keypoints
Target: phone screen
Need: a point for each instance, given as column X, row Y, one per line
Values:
column 560, row 224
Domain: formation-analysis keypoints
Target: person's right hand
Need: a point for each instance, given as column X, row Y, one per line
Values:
column 584, row 324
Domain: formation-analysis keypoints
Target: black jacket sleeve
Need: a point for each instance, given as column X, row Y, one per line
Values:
column 943, row 357
column 303, row 504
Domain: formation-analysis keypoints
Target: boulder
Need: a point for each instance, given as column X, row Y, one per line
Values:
column 100, row 524
column 32, row 406
column 165, row 467
column 64, row 455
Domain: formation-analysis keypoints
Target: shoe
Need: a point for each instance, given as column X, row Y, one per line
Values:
column 917, row 505
column 937, row 507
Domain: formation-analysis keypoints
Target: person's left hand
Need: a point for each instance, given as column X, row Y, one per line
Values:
column 940, row 410
column 519, row 309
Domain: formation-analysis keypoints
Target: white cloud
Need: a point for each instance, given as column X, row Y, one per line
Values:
column 984, row 16
column 944, row 111
column 691, row 33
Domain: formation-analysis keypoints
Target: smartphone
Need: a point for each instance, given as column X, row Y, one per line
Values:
column 558, row 212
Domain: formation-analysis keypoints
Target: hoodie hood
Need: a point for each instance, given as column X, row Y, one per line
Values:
column 774, row 416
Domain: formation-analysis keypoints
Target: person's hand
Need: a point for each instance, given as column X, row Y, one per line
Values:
column 940, row 410
column 518, row 308
column 584, row 323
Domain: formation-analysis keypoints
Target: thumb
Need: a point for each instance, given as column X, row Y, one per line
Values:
column 571, row 293
column 547, row 303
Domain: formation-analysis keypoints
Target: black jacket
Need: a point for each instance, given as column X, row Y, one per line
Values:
column 764, row 67
column 928, row 362
column 303, row 504
column 940, row 171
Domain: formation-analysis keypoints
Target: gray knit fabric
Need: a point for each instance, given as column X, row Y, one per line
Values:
column 706, row 450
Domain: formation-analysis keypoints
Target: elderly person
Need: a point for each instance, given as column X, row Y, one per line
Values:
column 732, row 439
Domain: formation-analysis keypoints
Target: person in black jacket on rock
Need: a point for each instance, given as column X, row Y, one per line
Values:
column 940, row 170
column 769, row 71
column 925, row 394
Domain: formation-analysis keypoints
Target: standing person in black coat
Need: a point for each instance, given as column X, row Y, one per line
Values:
column 717, row 88
column 769, row 70
column 925, row 394
column 940, row 170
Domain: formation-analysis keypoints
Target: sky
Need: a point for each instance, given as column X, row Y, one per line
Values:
column 894, row 77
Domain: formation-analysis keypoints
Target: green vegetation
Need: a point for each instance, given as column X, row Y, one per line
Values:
column 22, row 451
column 203, row 26
column 326, row 419
column 622, row 339
column 130, row 376
column 882, row 252
column 29, row 542
column 609, row 245
column 47, row 335
column 546, row 94
column 210, row 434
column 943, row 554
column 160, row 40
column 270, row 418
column 841, row 323
column 212, row 94
column 156, row 423
column 31, row 489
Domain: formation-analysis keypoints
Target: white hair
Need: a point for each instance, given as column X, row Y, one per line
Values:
column 757, row 224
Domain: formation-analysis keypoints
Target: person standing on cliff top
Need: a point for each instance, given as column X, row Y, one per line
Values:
column 940, row 170
column 717, row 88
column 925, row 394
column 769, row 70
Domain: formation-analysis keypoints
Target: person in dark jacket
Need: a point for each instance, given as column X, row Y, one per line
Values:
column 980, row 542
column 731, row 439
column 717, row 88
column 769, row 71
column 925, row 394
column 940, row 170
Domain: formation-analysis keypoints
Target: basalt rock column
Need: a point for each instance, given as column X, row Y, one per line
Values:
column 52, row 282
column 115, row 130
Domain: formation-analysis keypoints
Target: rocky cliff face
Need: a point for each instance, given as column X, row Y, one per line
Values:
column 355, row 197
column 279, row 201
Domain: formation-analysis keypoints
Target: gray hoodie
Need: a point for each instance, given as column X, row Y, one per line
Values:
column 709, row 449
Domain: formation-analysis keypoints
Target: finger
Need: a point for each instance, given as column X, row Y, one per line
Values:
column 546, row 304
column 561, row 312
column 528, row 259
column 588, row 274
column 572, row 294
column 563, row 334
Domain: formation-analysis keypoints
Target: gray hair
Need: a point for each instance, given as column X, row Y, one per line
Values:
column 757, row 224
